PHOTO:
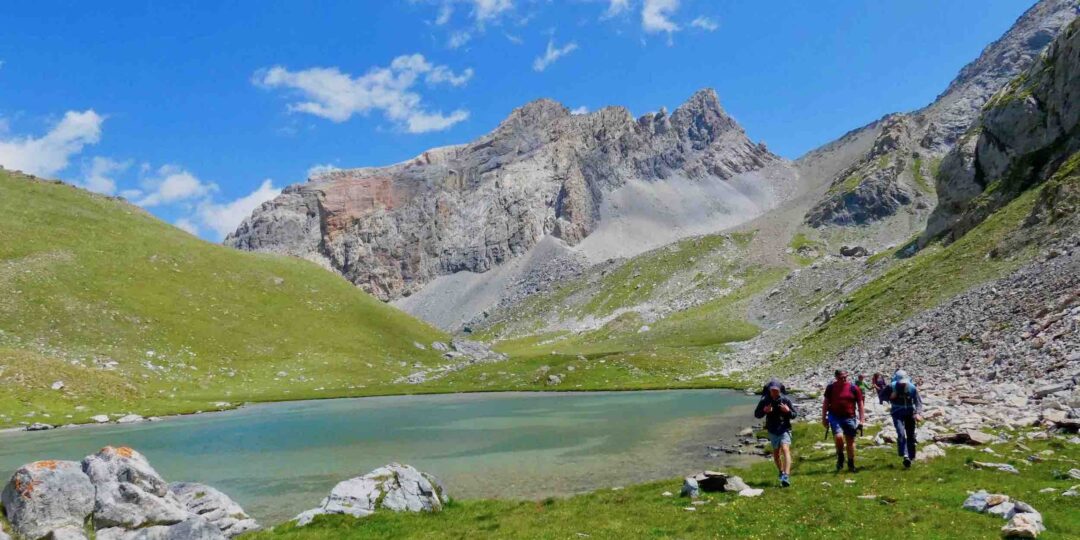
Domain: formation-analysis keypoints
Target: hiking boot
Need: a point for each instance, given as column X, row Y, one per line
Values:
column 907, row 463
column 851, row 466
column 839, row 462
column 784, row 480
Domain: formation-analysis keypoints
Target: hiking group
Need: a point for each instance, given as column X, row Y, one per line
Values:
column 843, row 413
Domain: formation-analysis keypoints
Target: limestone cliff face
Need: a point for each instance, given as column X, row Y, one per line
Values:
column 542, row 171
column 897, row 172
column 1028, row 131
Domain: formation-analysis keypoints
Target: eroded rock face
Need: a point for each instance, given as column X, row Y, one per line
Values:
column 215, row 507
column 543, row 171
column 395, row 487
column 129, row 492
column 47, row 495
column 896, row 172
column 1025, row 134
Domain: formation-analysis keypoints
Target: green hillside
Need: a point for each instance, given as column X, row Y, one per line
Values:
column 134, row 315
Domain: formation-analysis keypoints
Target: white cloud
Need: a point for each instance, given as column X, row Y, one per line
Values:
column 442, row 74
column 656, row 16
column 458, row 39
column 445, row 12
column 516, row 40
column 705, row 23
column 485, row 10
column 337, row 96
column 321, row 168
column 185, row 224
column 616, row 7
column 50, row 153
column 173, row 184
column 225, row 218
column 580, row 110
column 552, row 54
column 98, row 175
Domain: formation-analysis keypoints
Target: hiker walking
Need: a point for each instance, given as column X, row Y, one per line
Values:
column 906, row 412
column 879, row 387
column 843, row 411
column 778, row 412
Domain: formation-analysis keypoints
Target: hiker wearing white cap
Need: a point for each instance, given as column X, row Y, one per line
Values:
column 906, row 411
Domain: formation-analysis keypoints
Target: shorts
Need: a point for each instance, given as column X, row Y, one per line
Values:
column 848, row 425
column 779, row 440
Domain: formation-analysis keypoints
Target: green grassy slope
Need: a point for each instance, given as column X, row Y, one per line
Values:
column 923, row 502
column 86, row 280
column 998, row 245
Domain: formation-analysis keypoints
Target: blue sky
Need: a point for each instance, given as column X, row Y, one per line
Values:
column 200, row 112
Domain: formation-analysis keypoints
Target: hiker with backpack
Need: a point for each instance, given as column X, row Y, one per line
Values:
column 778, row 411
column 843, row 411
column 906, row 412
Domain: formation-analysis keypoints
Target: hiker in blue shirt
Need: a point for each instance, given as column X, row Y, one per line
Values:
column 906, row 411
column 778, row 412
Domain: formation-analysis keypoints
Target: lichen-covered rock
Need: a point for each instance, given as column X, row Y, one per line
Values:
column 1022, row 526
column 215, row 507
column 129, row 492
column 47, row 495
column 192, row 528
column 396, row 487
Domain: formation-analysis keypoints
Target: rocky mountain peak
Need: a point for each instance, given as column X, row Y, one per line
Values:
column 542, row 172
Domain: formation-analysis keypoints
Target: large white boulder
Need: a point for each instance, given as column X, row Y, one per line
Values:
column 130, row 493
column 192, row 528
column 396, row 487
column 214, row 506
column 47, row 495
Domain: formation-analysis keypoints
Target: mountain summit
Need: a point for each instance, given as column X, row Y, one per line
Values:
column 586, row 180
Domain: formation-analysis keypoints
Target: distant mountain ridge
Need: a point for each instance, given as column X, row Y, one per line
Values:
column 542, row 172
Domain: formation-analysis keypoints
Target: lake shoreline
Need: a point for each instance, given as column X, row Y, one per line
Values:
column 247, row 404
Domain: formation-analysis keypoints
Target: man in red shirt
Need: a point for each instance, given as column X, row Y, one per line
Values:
column 843, row 399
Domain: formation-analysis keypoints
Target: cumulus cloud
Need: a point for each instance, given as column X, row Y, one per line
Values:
column 485, row 10
column 185, row 224
column 616, row 7
column 445, row 12
column 321, row 168
column 458, row 39
column 328, row 93
column 172, row 184
column 50, row 153
column 99, row 174
column 225, row 218
column 552, row 54
column 705, row 23
column 580, row 110
column 656, row 16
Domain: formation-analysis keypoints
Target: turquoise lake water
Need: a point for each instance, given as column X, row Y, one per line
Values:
column 279, row 459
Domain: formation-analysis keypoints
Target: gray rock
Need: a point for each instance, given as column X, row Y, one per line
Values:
column 977, row 502
column 395, row 487
column 3, row 535
column 100, row 418
column 690, row 488
column 68, row 533
column 129, row 492
column 736, row 484
column 47, row 495
column 1004, row 510
column 130, row 419
column 191, row 528
column 1022, row 526
column 215, row 507
column 39, row 426
column 1003, row 467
